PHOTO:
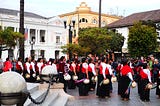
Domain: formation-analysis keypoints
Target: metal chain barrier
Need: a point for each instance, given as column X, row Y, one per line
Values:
column 40, row 102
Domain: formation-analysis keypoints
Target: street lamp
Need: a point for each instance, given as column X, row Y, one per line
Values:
column 71, row 26
column 32, row 42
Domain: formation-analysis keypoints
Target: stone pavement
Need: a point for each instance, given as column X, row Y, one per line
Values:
column 114, row 100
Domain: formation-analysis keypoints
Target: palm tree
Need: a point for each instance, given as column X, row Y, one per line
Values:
column 21, row 41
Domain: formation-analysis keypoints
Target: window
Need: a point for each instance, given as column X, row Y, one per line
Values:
column 94, row 21
column 57, row 39
column 56, row 54
column 83, row 20
column 42, row 35
column 103, row 23
column 32, row 34
column 42, row 53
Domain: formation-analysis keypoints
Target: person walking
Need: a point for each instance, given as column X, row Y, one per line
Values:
column 92, row 74
column 145, row 82
column 7, row 65
column 19, row 66
column 103, row 89
column 127, row 79
column 72, row 72
column 63, row 70
column 83, row 74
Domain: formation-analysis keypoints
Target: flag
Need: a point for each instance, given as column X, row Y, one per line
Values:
column 26, row 33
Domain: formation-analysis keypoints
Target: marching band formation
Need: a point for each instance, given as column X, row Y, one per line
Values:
column 95, row 74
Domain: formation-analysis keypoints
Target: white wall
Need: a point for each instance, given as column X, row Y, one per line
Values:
column 53, row 27
column 124, row 31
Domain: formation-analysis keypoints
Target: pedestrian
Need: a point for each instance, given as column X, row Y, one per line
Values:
column 7, row 65
column 155, row 70
column 19, row 66
column 63, row 70
column 110, row 74
column 72, row 72
column 28, row 70
column 126, row 80
column 39, row 66
column 158, row 79
column 103, row 89
column 33, row 70
column 119, row 68
column 92, row 74
column 14, row 61
column 145, row 80
column 83, row 88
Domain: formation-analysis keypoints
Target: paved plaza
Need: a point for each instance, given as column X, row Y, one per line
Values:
column 114, row 100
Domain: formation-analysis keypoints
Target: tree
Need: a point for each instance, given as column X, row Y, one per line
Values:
column 97, row 39
column 116, row 42
column 8, row 39
column 142, row 40
column 75, row 49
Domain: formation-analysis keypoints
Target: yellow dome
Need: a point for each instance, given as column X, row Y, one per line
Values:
column 83, row 7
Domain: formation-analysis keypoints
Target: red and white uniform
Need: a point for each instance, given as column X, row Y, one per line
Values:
column 103, row 69
column 92, row 68
column 127, row 71
column 73, row 67
column 84, row 67
column 19, row 66
column 40, row 66
column 110, row 69
column 145, row 74
column 27, row 67
column 33, row 67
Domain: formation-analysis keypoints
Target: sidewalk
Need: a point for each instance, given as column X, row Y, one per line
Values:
column 114, row 100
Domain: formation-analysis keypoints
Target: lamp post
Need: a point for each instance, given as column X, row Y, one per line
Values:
column 70, row 26
column 32, row 42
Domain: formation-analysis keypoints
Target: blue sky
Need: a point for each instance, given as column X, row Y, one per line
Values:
column 50, row 8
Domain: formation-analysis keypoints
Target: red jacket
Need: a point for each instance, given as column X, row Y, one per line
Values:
column 7, row 66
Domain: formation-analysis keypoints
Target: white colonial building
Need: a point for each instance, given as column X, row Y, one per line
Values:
column 122, row 26
column 44, row 36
